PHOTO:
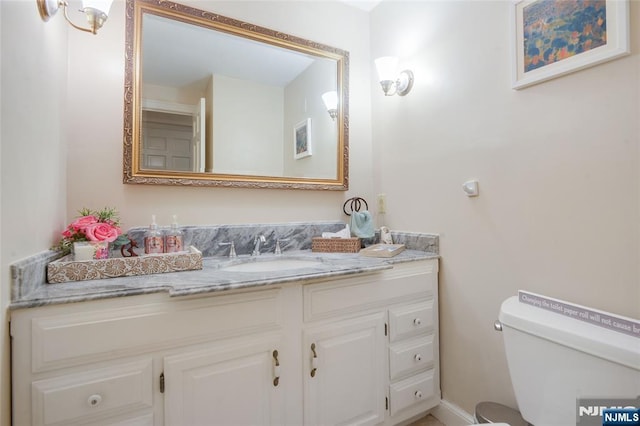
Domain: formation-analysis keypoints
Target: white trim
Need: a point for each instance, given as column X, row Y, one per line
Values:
column 452, row 415
column 163, row 106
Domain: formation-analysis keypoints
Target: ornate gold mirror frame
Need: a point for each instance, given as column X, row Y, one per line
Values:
column 135, row 174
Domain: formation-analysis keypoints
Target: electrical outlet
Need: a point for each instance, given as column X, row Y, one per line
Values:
column 382, row 203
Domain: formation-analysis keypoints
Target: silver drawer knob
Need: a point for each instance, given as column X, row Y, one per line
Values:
column 94, row 400
column 418, row 394
column 417, row 321
column 418, row 357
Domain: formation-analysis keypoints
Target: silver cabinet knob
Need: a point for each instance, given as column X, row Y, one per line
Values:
column 418, row 357
column 418, row 394
column 497, row 325
column 417, row 321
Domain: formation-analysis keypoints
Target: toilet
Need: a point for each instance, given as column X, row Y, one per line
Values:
column 554, row 359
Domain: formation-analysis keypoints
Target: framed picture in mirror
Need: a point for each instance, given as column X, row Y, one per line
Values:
column 302, row 139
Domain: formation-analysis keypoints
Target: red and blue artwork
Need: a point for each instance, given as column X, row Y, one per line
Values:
column 554, row 30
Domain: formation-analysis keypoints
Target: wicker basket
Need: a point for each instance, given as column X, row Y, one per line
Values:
column 335, row 245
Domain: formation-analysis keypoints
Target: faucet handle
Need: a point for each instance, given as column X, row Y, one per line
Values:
column 278, row 250
column 256, row 244
column 232, row 250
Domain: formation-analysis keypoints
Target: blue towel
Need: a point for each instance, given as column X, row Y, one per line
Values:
column 362, row 225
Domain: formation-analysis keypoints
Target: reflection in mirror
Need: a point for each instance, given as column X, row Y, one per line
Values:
column 217, row 102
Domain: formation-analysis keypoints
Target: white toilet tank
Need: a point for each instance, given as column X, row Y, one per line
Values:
column 554, row 359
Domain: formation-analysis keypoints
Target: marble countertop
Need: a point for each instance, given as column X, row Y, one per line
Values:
column 215, row 278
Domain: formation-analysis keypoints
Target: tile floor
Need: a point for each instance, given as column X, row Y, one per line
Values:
column 428, row 420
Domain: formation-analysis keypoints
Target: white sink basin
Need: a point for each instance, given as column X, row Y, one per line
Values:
column 272, row 265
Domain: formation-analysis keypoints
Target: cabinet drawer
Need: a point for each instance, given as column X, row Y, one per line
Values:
column 410, row 356
column 69, row 340
column 414, row 390
column 410, row 320
column 404, row 283
column 92, row 395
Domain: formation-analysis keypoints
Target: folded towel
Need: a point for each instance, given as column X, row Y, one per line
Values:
column 362, row 224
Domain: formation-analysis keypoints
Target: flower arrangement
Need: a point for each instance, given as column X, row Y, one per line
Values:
column 94, row 226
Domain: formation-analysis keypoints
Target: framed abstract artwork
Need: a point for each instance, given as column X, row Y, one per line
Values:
column 551, row 38
column 302, row 139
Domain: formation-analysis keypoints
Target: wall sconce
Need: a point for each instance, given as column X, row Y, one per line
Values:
column 97, row 12
column 330, row 100
column 392, row 82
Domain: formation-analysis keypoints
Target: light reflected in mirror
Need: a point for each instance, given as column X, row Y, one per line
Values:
column 212, row 101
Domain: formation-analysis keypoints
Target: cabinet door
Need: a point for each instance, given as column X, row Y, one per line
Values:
column 230, row 384
column 344, row 372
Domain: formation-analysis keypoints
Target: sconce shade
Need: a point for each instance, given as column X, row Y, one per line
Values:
column 330, row 100
column 386, row 67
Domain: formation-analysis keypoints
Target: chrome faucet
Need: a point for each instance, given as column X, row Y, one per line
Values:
column 278, row 250
column 256, row 244
column 232, row 250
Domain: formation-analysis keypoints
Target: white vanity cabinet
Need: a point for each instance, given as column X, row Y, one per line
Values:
column 376, row 347
column 360, row 350
column 345, row 372
column 228, row 383
column 149, row 360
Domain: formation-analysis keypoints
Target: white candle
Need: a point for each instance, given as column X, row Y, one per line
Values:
column 83, row 251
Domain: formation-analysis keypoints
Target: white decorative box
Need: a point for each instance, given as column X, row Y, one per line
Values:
column 382, row 250
column 66, row 269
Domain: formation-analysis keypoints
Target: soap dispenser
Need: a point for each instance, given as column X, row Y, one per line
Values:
column 153, row 238
column 173, row 238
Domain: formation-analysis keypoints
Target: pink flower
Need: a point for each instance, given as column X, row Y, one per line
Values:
column 81, row 223
column 67, row 233
column 101, row 231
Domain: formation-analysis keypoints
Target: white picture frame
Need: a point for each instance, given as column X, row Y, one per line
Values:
column 527, row 70
column 302, row 139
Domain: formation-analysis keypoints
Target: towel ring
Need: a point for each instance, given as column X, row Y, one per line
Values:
column 356, row 204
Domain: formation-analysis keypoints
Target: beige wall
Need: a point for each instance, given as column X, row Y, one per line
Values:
column 33, row 152
column 558, row 170
column 96, row 68
column 247, row 127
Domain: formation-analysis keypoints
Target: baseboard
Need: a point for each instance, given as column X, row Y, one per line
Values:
column 452, row 415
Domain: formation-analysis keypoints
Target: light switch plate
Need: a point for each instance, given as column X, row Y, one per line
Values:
column 382, row 203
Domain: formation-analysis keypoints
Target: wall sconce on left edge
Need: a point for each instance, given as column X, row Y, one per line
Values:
column 96, row 11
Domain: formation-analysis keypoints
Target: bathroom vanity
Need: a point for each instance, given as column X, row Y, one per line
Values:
column 352, row 340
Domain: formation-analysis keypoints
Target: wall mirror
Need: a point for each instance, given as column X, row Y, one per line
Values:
column 213, row 101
